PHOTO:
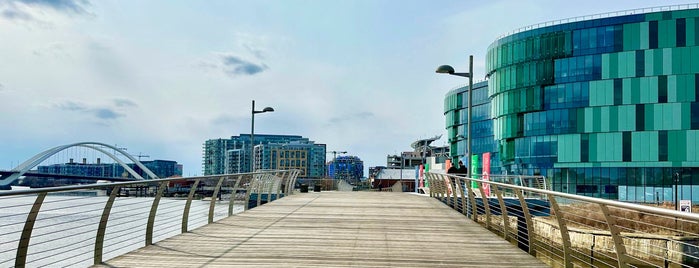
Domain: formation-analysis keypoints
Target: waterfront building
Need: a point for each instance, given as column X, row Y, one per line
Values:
column 228, row 156
column 348, row 168
column 606, row 107
column 161, row 168
column 307, row 157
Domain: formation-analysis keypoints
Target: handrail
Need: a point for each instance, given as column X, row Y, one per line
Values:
column 131, row 215
column 567, row 230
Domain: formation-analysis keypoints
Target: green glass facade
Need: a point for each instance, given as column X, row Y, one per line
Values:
column 606, row 107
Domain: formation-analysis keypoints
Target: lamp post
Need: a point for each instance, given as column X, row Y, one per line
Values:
column 446, row 69
column 252, row 133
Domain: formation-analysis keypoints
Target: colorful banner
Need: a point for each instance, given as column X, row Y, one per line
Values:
column 486, row 173
column 418, row 182
column 422, row 177
column 474, row 170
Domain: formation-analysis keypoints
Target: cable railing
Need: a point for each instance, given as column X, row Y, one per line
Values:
column 566, row 230
column 83, row 225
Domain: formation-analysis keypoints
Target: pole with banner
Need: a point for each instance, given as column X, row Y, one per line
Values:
column 474, row 170
column 486, row 173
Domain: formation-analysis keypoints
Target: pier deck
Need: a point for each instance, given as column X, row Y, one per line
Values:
column 336, row 229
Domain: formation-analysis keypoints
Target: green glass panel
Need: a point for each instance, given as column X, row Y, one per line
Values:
column 604, row 118
column 675, row 116
column 597, row 121
column 652, row 146
column 695, row 63
column 690, row 24
column 686, row 59
column 649, row 62
column 626, row 90
column 614, row 65
column 692, row 144
column 649, row 119
column 613, row 118
column 653, row 92
column 643, row 91
column 606, row 66
column 686, row 116
column 643, row 32
column 657, row 62
column 672, row 82
column 593, row 149
column 588, row 120
column 667, row 61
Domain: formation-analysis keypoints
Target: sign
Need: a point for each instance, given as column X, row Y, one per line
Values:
column 422, row 176
column 474, row 170
column 686, row 206
column 486, row 173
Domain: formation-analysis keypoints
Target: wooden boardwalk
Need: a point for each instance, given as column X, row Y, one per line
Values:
column 336, row 229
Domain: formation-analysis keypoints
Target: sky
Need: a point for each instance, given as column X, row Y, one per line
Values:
column 160, row 77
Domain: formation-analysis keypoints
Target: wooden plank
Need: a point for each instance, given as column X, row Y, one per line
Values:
column 338, row 229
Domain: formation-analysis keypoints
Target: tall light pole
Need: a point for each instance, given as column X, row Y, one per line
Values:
column 446, row 69
column 252, row 133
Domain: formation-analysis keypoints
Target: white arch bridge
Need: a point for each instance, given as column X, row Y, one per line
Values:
column 21, row 169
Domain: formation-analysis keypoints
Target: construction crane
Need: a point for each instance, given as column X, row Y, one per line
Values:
column 335, row 153
column 139, row 155
column 335, row 158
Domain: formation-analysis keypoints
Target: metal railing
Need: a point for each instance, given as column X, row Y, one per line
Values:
column 600, row 16
column 566, row 230
column 86, row 224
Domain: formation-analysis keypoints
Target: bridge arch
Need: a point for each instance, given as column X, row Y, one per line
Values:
column 40, row 157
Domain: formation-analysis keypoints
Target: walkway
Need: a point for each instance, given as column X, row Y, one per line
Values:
column 337, row 229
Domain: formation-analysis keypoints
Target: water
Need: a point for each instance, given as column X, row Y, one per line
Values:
column 65, row 229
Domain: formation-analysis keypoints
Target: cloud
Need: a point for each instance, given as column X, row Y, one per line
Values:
column 351, row 117
column 234, row 66
column 74, row 6
column 124, row 103
column 71, row 106
column 33, row 10
column 106, row 113
column 2, row 87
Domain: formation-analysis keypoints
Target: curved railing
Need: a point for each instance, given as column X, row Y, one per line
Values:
column 86, row 224
column 566, row 230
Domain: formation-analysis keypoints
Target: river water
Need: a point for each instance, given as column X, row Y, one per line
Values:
column 65, row 229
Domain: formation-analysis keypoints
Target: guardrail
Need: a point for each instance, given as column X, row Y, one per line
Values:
column 72, row 225
column 566, row 230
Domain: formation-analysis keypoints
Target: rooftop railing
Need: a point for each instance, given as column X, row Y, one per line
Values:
column 566, row 230
column 601, row 16
column 86, row 224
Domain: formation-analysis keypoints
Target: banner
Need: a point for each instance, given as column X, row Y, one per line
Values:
column 422, row 177
column 486, row 173
column 474, row 170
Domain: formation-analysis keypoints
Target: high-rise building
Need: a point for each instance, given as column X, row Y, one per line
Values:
column 606, row 107
column 227, row 156
column 349, row 168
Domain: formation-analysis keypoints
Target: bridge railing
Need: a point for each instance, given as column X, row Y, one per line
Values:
column 86, row 224
column 566, row 230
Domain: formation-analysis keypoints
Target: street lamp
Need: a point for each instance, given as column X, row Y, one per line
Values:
column 252, row 133
column 446, row 69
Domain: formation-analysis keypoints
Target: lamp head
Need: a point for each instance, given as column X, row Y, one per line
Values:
column 267, row 109
column 445, row 69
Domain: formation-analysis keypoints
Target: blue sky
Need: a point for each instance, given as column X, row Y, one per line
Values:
column 161, row 77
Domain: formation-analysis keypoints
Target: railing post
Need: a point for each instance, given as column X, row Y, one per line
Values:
column 234, row 192
column 153, row 211
column 428, row 176
column 212, row 204
column 102, row 228
column 248, row 192
column 21, row 257
column 271, row 182
column 461, row 195
column 188, row 204
column 529, row 222
column 565, row 236
column 503, row 211
column 260, row 185
column 472, row 200
column 452, row 184
column 486, row 205
column 616, row 236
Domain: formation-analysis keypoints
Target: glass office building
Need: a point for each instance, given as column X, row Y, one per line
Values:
column 606, row 107
column 455, row 110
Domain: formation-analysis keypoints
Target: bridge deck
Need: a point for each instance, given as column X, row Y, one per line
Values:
column 336, row 229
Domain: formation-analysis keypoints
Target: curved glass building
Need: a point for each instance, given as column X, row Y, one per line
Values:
column 605, row 107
